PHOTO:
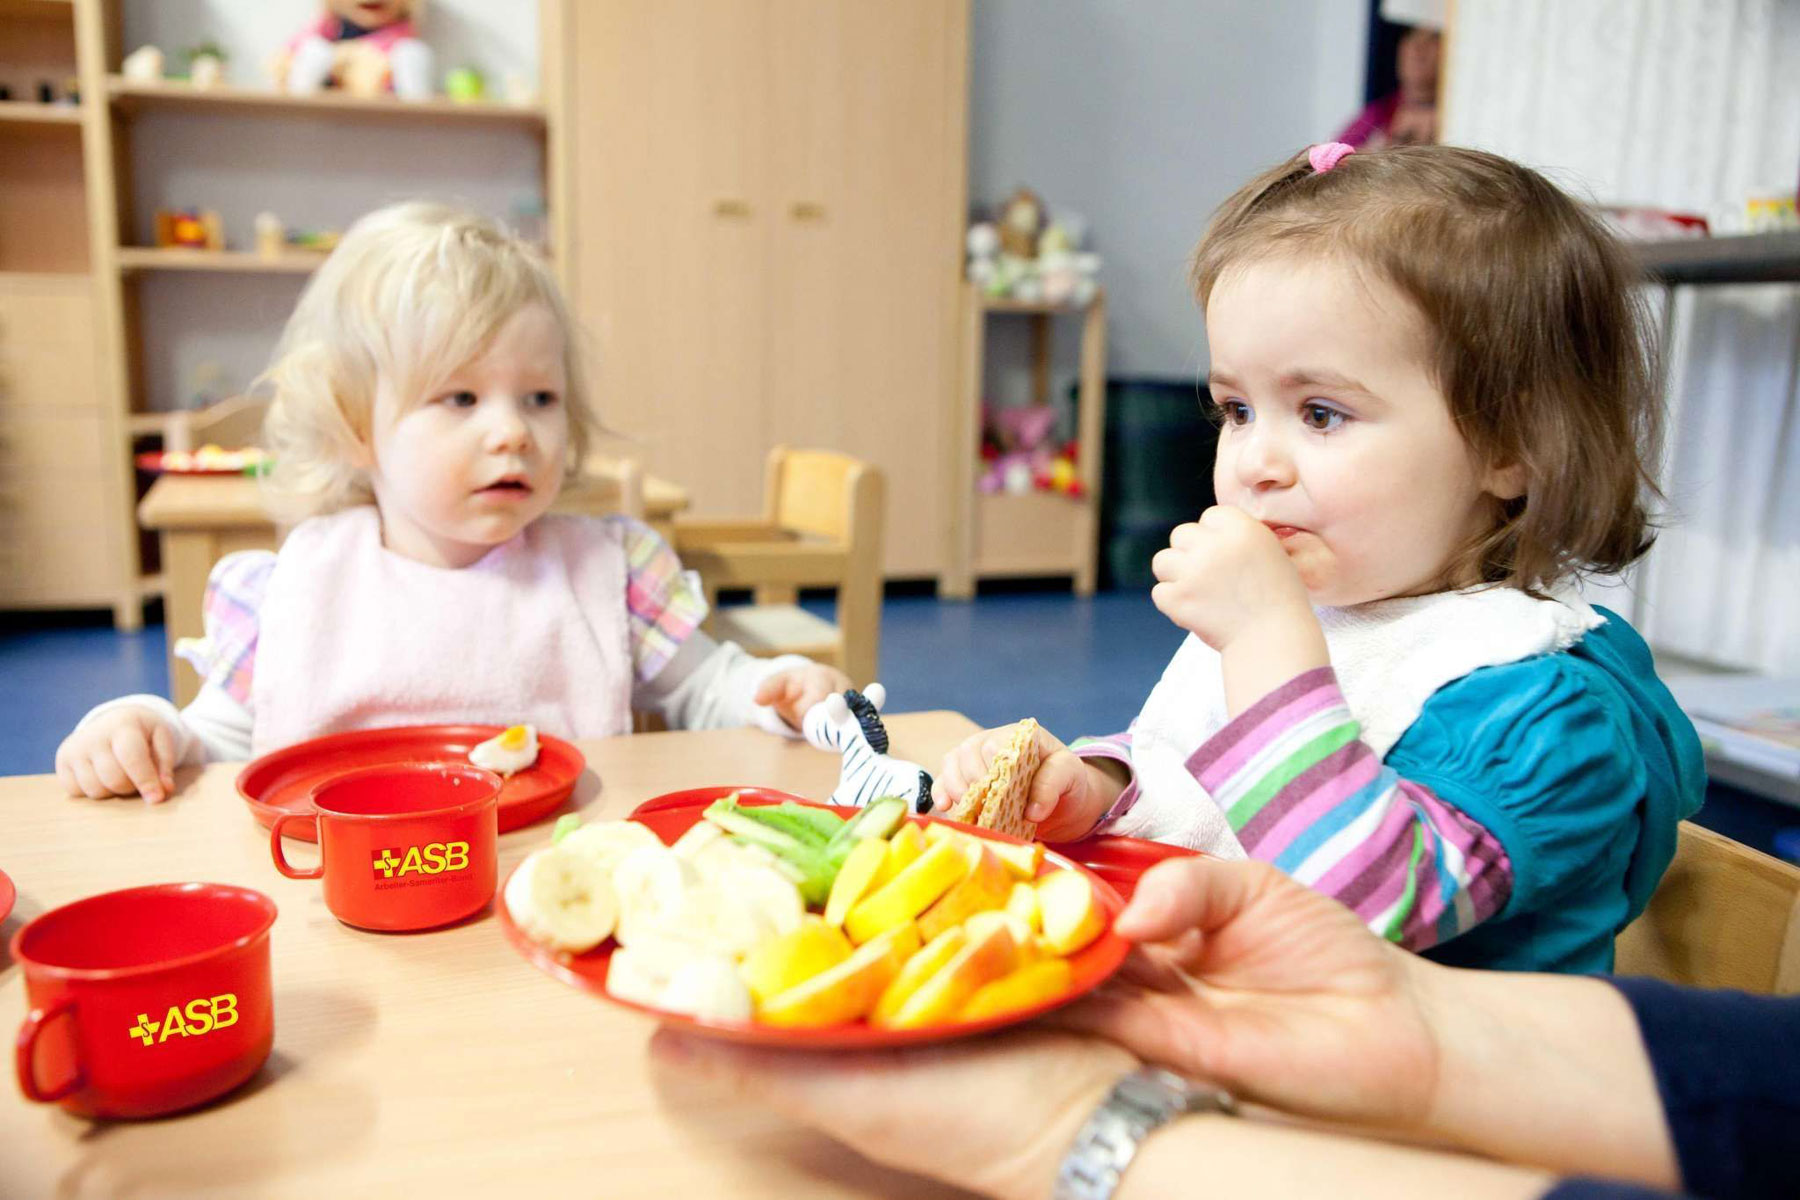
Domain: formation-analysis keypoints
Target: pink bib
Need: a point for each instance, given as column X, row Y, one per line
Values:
column 354, row 636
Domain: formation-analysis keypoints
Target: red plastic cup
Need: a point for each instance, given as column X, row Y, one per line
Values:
column 145, row 1001
column 402, row 846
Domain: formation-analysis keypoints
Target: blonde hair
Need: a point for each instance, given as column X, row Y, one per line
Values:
column 1536, row 335
column 414, row 292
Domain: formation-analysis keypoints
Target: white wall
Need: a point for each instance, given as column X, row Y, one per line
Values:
column 314, row 173
column 1142, row 115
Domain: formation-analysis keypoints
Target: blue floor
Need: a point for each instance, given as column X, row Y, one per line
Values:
column 1078, row 666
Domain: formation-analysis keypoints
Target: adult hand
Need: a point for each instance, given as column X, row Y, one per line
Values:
column 1018, row 1100
column 1247, row 978
column 1068, row 794
column 791, row 692
column 127, row 751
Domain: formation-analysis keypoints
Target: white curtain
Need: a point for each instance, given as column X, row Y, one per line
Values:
column 1690, row 105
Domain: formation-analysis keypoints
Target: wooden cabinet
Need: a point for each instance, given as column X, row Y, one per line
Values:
column 770, row 196
column 59, row 537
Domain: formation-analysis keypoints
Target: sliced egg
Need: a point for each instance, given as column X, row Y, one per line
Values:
column 509, row 751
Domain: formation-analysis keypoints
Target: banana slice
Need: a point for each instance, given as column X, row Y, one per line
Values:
column 557, row 899
column 630, row 978
column 770, row 892
column 709, row 988
column 607, row 843
column 699, row 836
column 652, row 885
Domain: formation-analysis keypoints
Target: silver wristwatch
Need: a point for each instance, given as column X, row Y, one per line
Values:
column 1139, row 1104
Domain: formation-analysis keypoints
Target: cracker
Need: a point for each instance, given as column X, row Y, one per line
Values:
column 997, row 800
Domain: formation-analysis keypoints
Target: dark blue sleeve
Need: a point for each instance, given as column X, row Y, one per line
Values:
column 1727, row 1067
column 1602, row 1189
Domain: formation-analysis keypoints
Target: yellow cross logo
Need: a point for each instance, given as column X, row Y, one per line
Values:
column 387, row 862
column 145, row 1028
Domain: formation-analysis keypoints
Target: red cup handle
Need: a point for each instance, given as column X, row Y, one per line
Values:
column 25, row 1055
column 281, row 862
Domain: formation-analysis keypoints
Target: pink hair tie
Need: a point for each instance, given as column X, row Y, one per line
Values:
column 1327, row 155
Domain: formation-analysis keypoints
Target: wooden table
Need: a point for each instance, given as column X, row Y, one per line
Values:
column 431, row 1065
column 202, row 518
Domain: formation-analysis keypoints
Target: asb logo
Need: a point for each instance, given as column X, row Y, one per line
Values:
column 197, row 1017
column 433, row 858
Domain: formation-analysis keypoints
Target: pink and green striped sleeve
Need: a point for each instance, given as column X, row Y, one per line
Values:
column 1303, row 791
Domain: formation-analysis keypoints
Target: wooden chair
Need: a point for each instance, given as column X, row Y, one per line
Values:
column 1725, row 916
column 821, row 527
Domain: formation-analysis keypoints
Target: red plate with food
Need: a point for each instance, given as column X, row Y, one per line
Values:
column 208, row 460
column 283, row 781
column 752, row 915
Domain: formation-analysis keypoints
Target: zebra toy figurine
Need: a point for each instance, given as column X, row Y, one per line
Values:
column 850, row 723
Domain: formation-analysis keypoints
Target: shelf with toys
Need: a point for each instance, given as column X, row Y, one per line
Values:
column 32, row 112
column 135, row 95
column 102, row 262
column 1027, row 502
column 185, row 258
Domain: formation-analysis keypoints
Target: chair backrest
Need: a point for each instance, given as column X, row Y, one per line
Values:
column 1723, row 916
column 233, row 424
column 813, row 491
column 605, row 486
column 826, row 494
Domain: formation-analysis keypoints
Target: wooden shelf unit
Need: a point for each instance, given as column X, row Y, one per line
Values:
column 70, row 401
column 1038, row 533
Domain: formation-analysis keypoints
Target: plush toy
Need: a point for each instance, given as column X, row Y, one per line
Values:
column 143, row 65
column 850, row 723
column 1021, row 220
column 206, row 65
column 1021, row 257
column 1063, row 475
column 365, row 48
column 1020, row 436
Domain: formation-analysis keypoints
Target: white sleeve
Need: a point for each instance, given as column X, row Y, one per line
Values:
column 213, row 728
column 712, row 685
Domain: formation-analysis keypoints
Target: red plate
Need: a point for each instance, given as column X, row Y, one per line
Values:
column 7, row 895
column 153, row 461
column 672, row 815
column 283, row 781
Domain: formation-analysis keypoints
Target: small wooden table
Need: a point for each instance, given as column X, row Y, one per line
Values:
column 202, row 518
column 437, row 1064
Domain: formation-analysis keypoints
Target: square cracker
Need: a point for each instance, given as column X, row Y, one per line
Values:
column 997, row 800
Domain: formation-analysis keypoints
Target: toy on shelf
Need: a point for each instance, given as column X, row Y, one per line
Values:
column 465, row 85
column 194, row 229
column 1020, row 454
column 143, row 65
column 206, row 65
column 275, row 240
column 367, row 49
column 1023, row 255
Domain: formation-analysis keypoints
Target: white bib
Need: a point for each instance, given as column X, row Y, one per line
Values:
column 1390, row 657
column 354, row 636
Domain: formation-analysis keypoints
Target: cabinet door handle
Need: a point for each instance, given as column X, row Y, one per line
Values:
column 731, row 208
column 805, row 210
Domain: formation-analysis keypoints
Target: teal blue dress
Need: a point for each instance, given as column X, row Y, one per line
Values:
column 1581, row 765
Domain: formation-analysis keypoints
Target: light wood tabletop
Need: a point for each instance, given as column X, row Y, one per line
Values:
column 438, row 1064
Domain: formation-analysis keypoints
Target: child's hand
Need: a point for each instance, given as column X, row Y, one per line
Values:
column 790, row 693
column 128, row 750
column 1225, row 573
column 1068, row 796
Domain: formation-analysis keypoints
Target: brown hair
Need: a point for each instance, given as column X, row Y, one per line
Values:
column 1535, row 334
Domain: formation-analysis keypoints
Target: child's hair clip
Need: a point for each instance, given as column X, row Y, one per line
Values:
column 1327, row 155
